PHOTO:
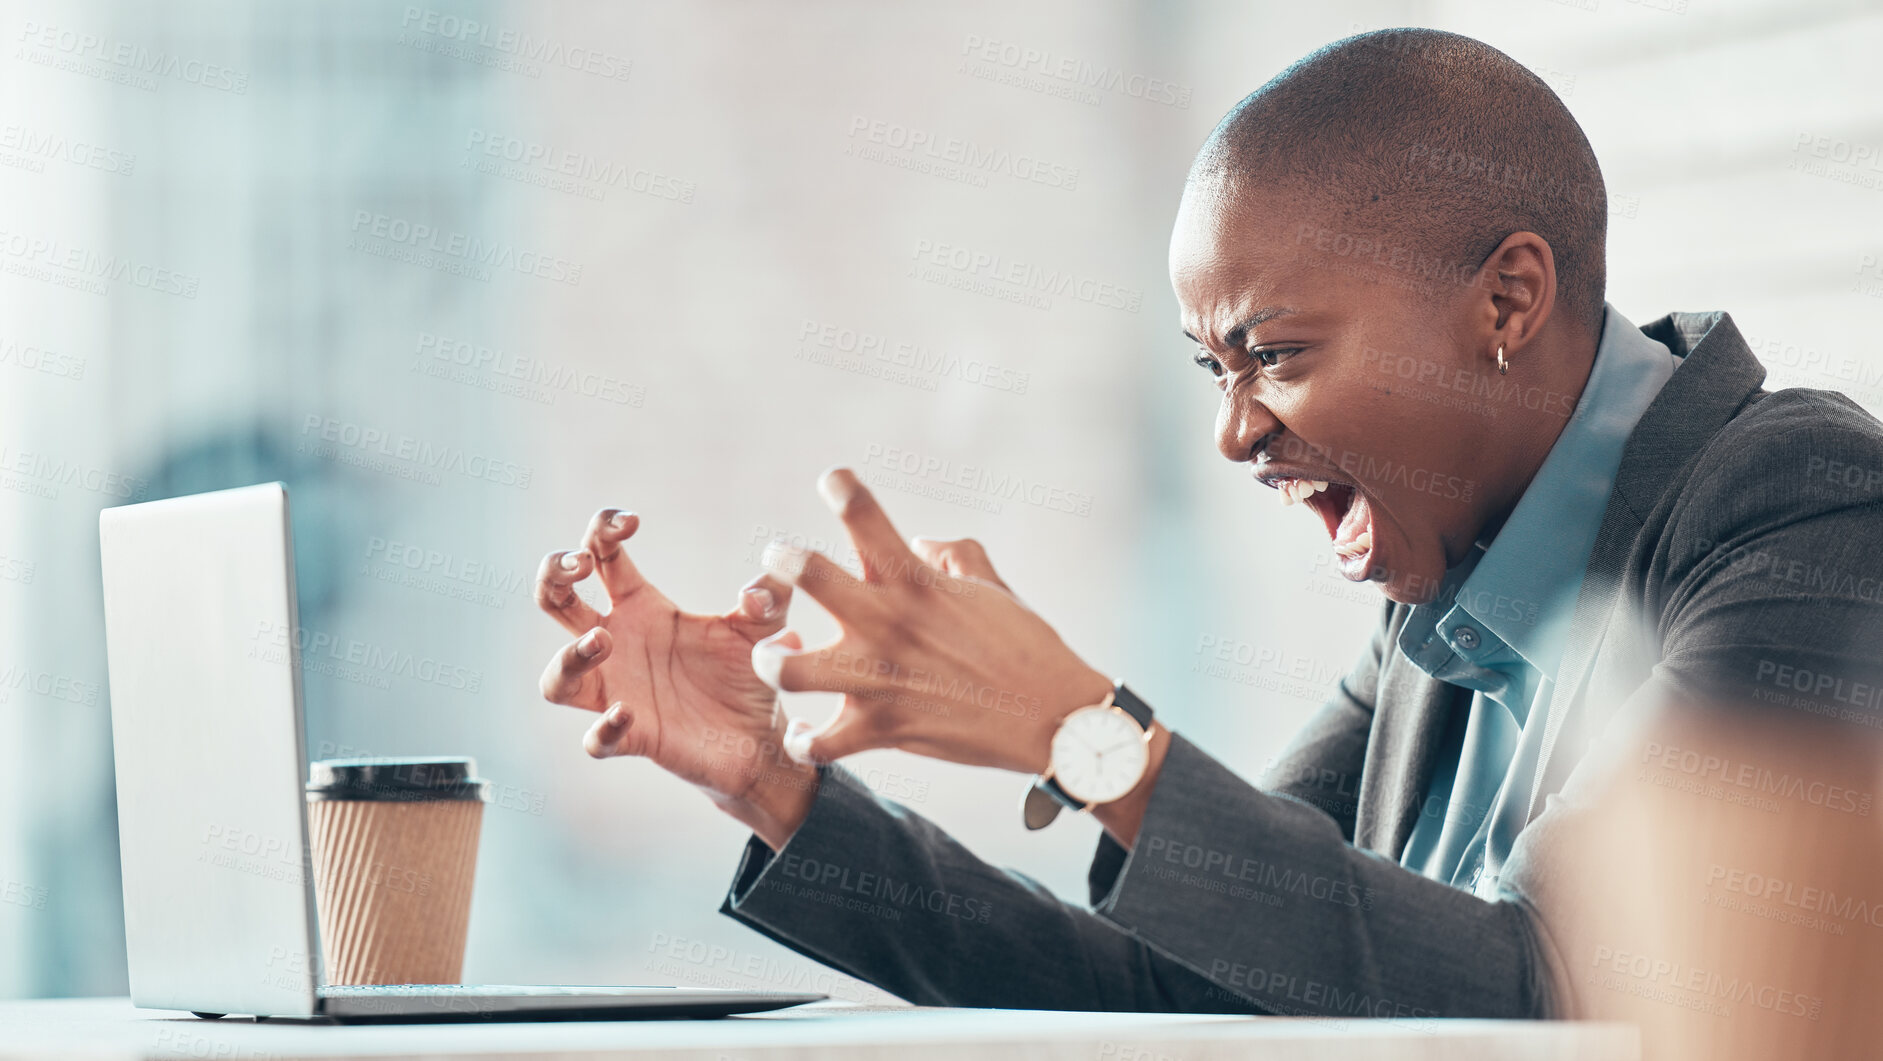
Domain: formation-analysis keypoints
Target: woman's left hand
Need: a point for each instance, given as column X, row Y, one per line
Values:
column 936, row 656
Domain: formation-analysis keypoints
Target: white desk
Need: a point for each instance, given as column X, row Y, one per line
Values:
column 96, row 1029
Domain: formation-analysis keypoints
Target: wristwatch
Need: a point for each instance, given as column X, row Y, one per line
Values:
column 1099, row 754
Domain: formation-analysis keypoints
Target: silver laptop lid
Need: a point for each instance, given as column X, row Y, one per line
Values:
column 201, row 641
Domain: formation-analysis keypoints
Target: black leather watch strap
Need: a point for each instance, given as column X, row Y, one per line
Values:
column 1066, row 799
column 1139, row 711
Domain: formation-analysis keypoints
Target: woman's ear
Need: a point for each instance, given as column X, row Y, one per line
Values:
column 1519, row 281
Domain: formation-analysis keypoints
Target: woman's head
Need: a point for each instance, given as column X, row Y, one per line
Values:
column 1356, row 242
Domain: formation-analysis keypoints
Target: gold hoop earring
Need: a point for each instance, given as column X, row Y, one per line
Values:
column 1503, row 366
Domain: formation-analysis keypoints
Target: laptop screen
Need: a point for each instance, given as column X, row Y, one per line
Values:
column 206, row 727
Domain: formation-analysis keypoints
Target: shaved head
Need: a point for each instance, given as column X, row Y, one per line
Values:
column 1429, row 147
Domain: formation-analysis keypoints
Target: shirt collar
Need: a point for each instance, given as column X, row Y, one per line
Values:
column 1519, row 595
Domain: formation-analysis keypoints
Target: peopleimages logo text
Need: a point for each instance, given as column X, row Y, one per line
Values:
column 465, row 248
column 1007, row 486
column 1027, row 276
column 51, row 472
column 132, row 58
column 436, row 350
column 1075, row 71
column 84, row 264
column 965, row 153
column 432, row 458
column 318, row 646
column 37, row 146
column 439, row 24
column 555, row 161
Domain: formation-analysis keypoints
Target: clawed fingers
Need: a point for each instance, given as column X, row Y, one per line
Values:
column 571, row 676
column 770, row 654
column 606, row 531
column 849, row 731
column 962, row 558
column 783, row 663
column 881, row 550
column 606, row 738
column 846, row 598
column 762, row 605
column 555, row 590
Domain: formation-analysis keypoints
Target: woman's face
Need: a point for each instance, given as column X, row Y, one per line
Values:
column 1339, row 364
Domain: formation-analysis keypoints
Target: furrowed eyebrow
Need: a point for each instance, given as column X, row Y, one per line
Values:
column 1235, row 335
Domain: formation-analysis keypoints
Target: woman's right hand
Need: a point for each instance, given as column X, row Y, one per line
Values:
column 672, row 686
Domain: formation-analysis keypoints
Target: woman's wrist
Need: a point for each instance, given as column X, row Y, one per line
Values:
column 1085, row 688
column 1123, row 816
column 778, row 801
column 778, row 791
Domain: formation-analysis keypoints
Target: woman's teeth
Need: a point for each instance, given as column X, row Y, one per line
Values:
column 1357, row 547
column 1293, row 490
column 1296, row 490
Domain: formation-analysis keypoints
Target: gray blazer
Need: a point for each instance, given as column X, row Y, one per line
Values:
column 1737, row 539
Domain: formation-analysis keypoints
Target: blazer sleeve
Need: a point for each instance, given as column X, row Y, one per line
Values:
column 879, row 892
column 875, row 890
column 1263, row 895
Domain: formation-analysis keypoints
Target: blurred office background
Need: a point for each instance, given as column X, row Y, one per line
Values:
column 681, row 258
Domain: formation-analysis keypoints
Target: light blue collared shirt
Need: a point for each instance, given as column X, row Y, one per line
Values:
column 1500, row 621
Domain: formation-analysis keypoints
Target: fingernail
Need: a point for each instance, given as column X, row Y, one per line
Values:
column 784, row 560
column 798, row 741
column 768, row 661
column 588, row 644
column 618, row 518
column 617, row 711
column 762, row 598
column 571, row 561
column 835, row 488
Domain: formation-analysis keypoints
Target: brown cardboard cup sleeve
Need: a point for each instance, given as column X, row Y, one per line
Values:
column 394, row 854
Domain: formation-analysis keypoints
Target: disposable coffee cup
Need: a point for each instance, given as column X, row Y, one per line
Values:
column 394, row 852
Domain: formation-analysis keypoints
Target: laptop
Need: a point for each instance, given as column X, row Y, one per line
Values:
column 206, row 723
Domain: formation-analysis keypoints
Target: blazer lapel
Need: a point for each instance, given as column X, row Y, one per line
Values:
column 1718, row 375
column 1407, row 730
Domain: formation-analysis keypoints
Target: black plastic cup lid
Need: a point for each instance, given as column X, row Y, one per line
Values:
column 407, row 779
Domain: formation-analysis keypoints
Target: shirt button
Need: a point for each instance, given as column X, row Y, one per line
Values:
column 1466, row 637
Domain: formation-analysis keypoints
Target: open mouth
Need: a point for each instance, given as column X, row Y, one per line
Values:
column 1344, row 511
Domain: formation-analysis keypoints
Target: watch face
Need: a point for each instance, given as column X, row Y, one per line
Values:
column 1099, row 754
